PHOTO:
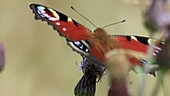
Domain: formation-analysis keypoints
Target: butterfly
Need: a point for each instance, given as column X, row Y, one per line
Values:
column 90, row 44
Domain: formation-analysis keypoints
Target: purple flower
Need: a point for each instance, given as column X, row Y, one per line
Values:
column 2, row 57
column 158, row 20
column 158, row 15
column 163, row 57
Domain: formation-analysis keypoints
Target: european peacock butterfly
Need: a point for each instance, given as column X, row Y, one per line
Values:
column 87, row 43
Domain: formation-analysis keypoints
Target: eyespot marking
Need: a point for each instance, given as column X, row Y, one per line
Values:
column 80, row 46
column 47, row 13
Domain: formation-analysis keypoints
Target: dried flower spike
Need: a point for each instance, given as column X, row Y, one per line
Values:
column 92, row 74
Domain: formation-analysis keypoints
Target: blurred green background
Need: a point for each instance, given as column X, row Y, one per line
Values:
column 38, row 60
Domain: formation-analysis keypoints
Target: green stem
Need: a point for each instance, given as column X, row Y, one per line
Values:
column 145, row 69
column 164, row 87
column 158, row 84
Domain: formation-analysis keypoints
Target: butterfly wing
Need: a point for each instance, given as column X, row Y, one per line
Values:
column 75, row 33
column 135, row 43
column 138, row 46
column 66, row 26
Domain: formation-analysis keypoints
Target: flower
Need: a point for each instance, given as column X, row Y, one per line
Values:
column 2, row 57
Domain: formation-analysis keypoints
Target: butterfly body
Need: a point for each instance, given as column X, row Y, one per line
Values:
column 90, row 44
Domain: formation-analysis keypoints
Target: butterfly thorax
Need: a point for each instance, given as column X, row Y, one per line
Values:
column 100, row 43
column 103, row 39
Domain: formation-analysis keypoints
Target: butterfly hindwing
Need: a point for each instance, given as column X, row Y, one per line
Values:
column 66, row 26
column 81, row 46
column 135, row 43
column 136, row 46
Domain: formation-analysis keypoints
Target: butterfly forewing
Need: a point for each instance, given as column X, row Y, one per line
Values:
column 66, row 26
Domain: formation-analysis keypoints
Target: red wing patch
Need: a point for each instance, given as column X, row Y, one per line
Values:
column 66, row 26
column 130, row 43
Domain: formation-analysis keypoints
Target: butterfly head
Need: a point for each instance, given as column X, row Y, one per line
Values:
column 99, row 30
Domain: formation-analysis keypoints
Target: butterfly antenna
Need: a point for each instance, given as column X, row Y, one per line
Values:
column 114, row 23
column 83, row 16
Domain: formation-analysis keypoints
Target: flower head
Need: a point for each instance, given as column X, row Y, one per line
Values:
column 2, row 57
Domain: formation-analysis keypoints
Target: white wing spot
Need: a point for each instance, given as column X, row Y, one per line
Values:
column 58, row 23
column 134, row 38
column 69, row 20
column 52, row 19
column 77, row 43
column 64, row 29
column 87, row 50
column 40, row 8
